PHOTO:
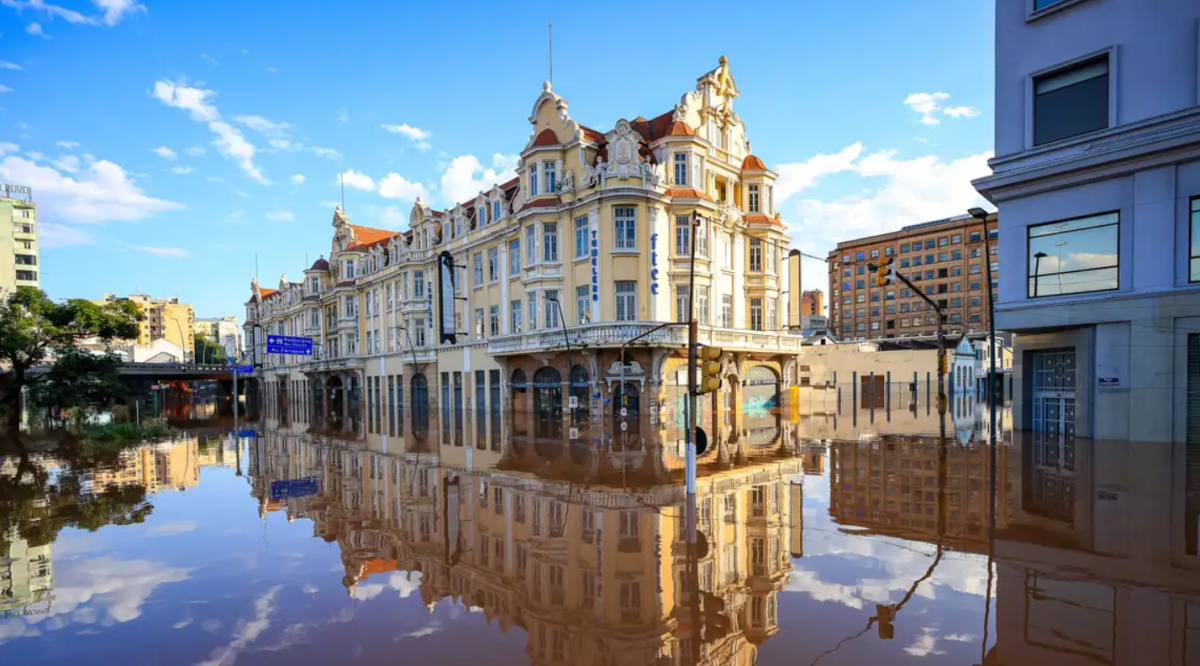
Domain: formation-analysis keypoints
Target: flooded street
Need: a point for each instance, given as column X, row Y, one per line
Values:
column 822, row 542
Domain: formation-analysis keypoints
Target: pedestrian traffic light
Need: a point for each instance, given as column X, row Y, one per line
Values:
column 709, row 360
column 884, row 273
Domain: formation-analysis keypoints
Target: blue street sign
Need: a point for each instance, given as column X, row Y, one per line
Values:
column 288, row 344
column 242, row 369
column 281, row 490
column 246, row 433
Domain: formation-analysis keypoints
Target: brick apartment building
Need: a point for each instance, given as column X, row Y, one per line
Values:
column 812, row 302
column 944, row 258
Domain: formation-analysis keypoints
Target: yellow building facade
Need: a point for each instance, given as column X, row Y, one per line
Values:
column 19, row 250
column 517, row 302
column 162, row 319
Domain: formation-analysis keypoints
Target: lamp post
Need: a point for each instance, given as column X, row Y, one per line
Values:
column 982, row 215
column 182, row 340
column 566, row 341
column 1037, row 269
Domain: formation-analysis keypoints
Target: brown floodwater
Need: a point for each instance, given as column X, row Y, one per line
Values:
column 863, row 538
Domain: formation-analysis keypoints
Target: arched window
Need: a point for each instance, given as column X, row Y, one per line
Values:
column 547, row 403
column 419, row 395
column 520, row 405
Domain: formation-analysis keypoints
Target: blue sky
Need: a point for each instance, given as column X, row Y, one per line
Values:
column 169, row 143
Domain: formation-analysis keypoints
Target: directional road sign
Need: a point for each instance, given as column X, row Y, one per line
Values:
column 289, row 344
column 243, row 369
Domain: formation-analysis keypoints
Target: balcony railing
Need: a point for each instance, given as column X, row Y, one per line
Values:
column 617, row 333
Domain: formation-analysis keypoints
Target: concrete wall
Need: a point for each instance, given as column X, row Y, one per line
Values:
column 846, row 359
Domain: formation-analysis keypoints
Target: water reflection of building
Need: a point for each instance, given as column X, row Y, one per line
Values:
column 891, row 487
column 592, row 572
column 173, row 465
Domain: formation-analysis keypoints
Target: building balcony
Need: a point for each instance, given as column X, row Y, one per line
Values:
column 542, row 272
column 615, row 334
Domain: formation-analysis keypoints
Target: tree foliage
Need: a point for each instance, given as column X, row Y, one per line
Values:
column 208, row 351
column 81, row 378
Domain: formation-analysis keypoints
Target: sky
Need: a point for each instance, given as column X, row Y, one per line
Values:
column 177, row 149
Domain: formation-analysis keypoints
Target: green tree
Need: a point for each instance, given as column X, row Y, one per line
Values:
column 208, row 351
column 80, row 378
column 31, row 325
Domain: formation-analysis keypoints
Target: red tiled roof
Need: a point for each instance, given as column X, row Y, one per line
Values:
column 753, row 163
column 511, row 183
column 680, row 128
column 687, row 193
column 378, row 566
column 267, row 293
column 543, row 202
column 591, row 134
column 320, row 265
column 755, row 217
column 655, row 128
column 437, row 213
column 546, row 138
column 366, row 237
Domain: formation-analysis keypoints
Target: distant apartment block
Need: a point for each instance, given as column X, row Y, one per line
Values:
column 223, row 331
column 18, row 247
column 163, row 319
column 943, row 258
column 812, row 302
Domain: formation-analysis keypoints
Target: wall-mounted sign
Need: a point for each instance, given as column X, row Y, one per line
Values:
column 595, row 267
column 653, row 263
column 446, row 304
column 11, row 190
column 1109, row 382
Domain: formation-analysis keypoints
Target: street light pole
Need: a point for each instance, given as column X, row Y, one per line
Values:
column 566, row 341
column 982, row 215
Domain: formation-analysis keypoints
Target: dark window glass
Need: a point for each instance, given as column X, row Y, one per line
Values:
column 1070, row 101
column 1074, row 256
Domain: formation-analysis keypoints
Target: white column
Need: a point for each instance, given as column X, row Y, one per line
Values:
column 505, row 324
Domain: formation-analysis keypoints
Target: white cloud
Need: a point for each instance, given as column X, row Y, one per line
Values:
column 160, row 250
column 343, row 115
column 241, row 194
column 214, row 179
column 103, row 192
column 164, row 152
column 174, row 527
column 53, row 235
column 356, row 180
column 417, row 135
column 309, row 588
column 272, row 70
column 248, row 633
column 367, row 592
column 329, row 153
column 115, row 10
column 68, row 163
column 280, row 215
column 925, row 644
column 229, row 141
column 395, row 186
column 930, row 104
column 260, row 124
column 5, row 64
column 459, row 182
column 6, row 147
column 208, row 59
column 798, row 176
column 196, row 151
column 5, row 89
column 297, row 179
column 35, row 155
column 183, row 171
column 36, row 29
column 959, row 638
column 69, row 145
column 238, row 217
column 118, row 587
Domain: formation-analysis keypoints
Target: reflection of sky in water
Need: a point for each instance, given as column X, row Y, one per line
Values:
column 757, row 407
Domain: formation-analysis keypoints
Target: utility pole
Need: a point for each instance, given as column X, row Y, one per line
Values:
column 885, row 272
column 693, row 332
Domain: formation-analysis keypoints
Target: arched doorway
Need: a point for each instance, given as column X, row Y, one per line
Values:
column 519, row 388
column 335, row 390
column 547, row 403
column 581, row 390
column 316, row 412
column 419, row 406
column 627, row 396
column 355, row 390
column 760, row 406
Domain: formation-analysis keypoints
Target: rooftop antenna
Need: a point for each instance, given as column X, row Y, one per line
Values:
column 550, row 45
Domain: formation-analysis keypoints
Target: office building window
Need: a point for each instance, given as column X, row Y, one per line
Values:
column 549, row 241
column 1194, row 253
column 1070, row 101
column 727, row 310
column 514, row 316
column 756, row 252
column 681, row 303
column 625, row 223
column 418, row 332
column 683, row 235
column 581, row 303
column 626, row 300
column 581, row 237
column 770, row 257
column 753, row 206
column 1074, row 256
column 681, row 168
column 514, row 258
column 756, row 314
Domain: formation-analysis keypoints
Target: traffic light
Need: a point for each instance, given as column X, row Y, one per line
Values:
column 884, row 273
column 709, row 360
column 716, row 624
column 886, row 615
column 941, row 361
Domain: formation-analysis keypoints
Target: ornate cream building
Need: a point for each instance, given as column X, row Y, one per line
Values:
column 597, row 227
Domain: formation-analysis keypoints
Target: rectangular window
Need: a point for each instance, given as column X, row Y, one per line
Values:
column 625, row 224
column 756, row 255
column 1194, row 253
column 419, row 332
column 494, row 320
column 391, row 408
column 702, row 305
column 683, row 235
column 530, row 245
column 1074, row 256
column 753, row 206
column 478, row 265
column 514, row 314
column 626, row 300
column 419, row 284
column 581, row 237
column 943, row 241
column 495, row 210
column 514, row 258
column 904, row 247
column 955, row 239
column 756, row 314
column 549, row 172
column 478, row 323
column 533, row 190
column 494, row 393
column 860, row 256
column 550, row 241
column 533, row 311
column 770, row 256
column 552, row 320
column 1070, row 101
column 681, row 168
column 874, row 254
column 681, row 303
column 481, row 411
column 493, row 264
column 581, row 303
column 727, row 310
column 702, row 239
column 771, row 324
